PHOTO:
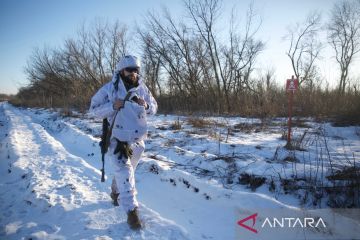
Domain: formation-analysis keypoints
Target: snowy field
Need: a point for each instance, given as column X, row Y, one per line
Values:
column 196, row 175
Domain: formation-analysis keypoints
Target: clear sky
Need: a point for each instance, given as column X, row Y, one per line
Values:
column 27, row 24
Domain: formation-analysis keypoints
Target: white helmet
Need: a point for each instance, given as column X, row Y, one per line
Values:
column 128, row 61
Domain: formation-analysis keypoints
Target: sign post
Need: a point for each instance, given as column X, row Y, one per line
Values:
column 291, row 86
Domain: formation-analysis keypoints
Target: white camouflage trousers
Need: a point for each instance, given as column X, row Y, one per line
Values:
column 124, row 174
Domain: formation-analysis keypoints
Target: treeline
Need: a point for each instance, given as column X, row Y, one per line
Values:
column 193, row 66
column 6, row 97
column 68, row 76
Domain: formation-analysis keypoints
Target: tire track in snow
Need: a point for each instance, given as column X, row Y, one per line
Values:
column 49, row 158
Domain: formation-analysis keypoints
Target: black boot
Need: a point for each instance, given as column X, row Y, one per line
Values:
column 133, row 219
column 114, row 196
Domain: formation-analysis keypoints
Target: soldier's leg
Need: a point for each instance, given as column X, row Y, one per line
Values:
column 125, row 180
column 138, row 149
column 114, row 192
column 114, row 186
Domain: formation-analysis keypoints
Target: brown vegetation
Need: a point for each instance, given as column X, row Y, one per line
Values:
column 190, row 70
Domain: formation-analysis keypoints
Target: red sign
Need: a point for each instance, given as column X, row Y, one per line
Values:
column 292, row 84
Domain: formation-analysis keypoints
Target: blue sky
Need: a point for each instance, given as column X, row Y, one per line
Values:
column 27, row 24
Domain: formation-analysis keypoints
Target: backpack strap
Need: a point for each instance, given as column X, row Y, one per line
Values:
column 127, row 97
column 116, row 83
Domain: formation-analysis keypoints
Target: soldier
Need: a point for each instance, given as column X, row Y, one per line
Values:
column 125, row 102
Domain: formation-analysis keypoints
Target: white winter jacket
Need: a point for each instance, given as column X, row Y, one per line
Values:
column 130, row 123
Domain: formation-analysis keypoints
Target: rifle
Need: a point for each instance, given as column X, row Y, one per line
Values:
column 103, row 146
column 105, row 138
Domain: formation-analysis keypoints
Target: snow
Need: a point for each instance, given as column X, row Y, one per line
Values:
column 187, row 180
column 53, row 193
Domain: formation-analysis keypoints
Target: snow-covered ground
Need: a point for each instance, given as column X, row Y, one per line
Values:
column 192, row 181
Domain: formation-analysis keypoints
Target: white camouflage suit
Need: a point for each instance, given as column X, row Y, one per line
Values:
column 102, row 107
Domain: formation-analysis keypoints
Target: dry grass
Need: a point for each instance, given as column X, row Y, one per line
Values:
column 251, row 180
column 177, row 125
column 199, row 122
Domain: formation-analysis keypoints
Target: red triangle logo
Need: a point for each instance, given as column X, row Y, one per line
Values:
column 253, row 217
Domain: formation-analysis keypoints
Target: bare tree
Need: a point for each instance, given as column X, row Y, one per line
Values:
column 232, row 65
column 117, row 42
column 200, row 67
column 43, row 72
column 178, row 50
column 305, row 48
column 204, row 15
column 344, row 36
column 71, row 74
column 267, row 77
column 241, row 54
column 151, row 68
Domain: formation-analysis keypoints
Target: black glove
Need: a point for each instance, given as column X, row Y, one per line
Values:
column 124, row 149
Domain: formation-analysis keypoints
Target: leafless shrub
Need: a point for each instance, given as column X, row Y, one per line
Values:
column 199, row 122
column 177, row 125
column 357, row 131
column 66, row 112
column 289, row 185
column 345, row 191
column 251, row 180
column 247, row 127
column 300, row 123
